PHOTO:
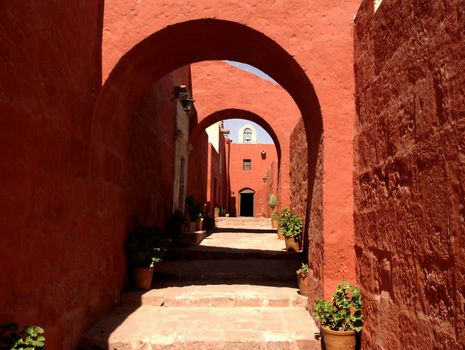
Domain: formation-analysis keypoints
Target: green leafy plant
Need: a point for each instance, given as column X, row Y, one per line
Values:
column 303, row 269
column 145, row 246
column 291, row 224
column 344, row 311
column 29, row 338
column 275, row 216
column 194, row 208
column 272, row 201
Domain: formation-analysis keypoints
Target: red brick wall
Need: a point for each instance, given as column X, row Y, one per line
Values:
column 410, row 173
column 253, row 178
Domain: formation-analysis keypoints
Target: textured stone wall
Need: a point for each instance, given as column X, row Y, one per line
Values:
column 410, row 173
column 298, row 193
column 298, row 171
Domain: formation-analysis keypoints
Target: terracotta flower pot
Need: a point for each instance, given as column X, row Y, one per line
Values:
column 292, row 245
column 280, row 233
column 274, row 223
column 143, row 278
column 198, row 224
column 339, row 340
column 302, row 280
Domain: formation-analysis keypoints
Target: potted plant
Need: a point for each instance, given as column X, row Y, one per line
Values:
column 341, row 318
column 302, row 279
column 291, row 225
column 195, row 211
column 216, row 212
column 275, row 220
column 145, row 246
column 28, row 338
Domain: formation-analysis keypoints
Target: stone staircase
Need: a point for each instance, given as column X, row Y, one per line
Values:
column 234, row 291
column 243, row 222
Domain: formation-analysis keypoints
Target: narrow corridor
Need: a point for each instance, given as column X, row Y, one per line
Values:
column 236, row 290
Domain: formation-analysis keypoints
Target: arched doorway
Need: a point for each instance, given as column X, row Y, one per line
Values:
column 246, row 202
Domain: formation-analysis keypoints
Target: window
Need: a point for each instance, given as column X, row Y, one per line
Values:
column 246, row 164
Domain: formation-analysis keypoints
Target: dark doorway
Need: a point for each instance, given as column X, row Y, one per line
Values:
column 246, row 202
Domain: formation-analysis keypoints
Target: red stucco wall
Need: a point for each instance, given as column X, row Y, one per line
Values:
column 64, row 218
column 50, row 273
column 212, row 81
column 410, row 173
column 198, row 169
column 253, row 178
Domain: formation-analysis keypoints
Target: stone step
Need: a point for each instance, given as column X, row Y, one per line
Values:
column 243, row 223
column 226, row 294
column 208, row 253
column 244, row 269
column 225, row 328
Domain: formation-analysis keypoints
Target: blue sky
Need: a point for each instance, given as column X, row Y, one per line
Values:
column 235, row 124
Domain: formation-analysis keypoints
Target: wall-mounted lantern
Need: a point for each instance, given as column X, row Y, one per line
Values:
column 263, row 154
column 182, row 94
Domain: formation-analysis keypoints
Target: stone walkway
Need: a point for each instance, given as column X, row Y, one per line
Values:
column 237, row 290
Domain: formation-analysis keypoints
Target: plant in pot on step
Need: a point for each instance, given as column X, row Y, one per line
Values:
column 341, row 318
column 282, row 221
column 145, row 247
column 195, row 211
column 275, row 220
column 291, row 225
column 302, row 279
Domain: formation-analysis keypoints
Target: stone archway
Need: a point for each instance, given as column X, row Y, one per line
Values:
column 211, row 39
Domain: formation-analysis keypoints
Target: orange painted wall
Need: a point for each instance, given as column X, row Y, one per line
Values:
column 253, row 178
column 318, row 38
column 64, row 219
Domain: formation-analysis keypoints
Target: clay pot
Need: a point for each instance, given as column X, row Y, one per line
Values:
column 339, row 340
column 302, row 280
column 198, row 224
column 292, row 245
column 280, row 233
column 143, row 278
column 274, row 223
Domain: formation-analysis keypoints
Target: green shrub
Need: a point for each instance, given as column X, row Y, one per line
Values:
column 303, row 269
column 30, row 338
column 344, row 311
column 275, row 216
column 194, row 208
column 291, row 224
column 272, row 201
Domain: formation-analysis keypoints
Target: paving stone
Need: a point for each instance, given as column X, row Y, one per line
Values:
column 152, row 327
column 219, row 295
